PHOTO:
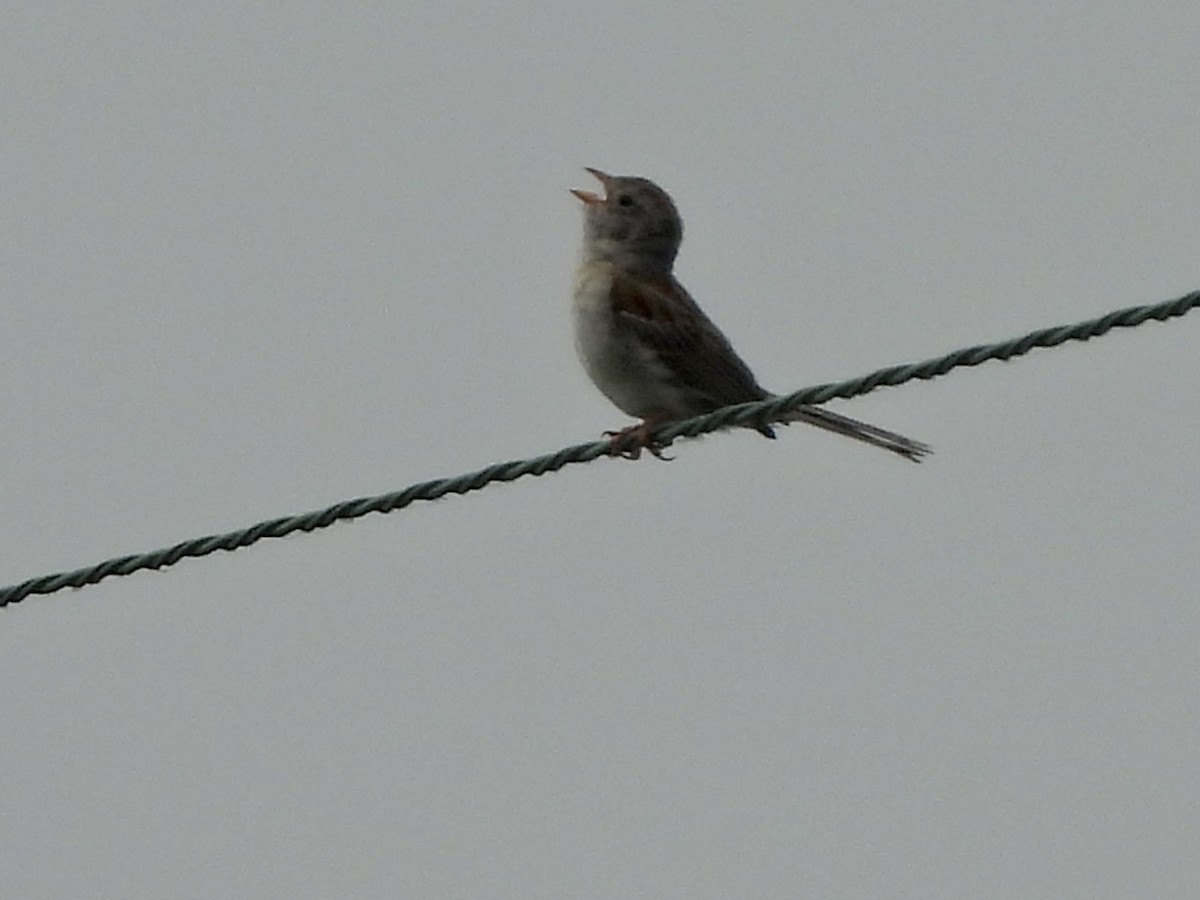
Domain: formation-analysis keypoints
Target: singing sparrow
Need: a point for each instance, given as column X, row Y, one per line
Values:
column 643, row 340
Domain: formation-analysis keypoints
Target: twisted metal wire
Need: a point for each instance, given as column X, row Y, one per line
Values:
column 745, row 414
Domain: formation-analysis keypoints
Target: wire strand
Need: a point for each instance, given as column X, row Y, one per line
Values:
column 744, row 414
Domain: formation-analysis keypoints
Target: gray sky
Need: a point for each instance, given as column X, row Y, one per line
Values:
column 258, row 258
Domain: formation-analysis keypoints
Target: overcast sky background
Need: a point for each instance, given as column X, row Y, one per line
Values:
column 262, row 257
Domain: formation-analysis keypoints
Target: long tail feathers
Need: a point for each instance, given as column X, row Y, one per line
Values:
column 861, row 431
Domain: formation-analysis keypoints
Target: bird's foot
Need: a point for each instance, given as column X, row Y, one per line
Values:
column 629, row 442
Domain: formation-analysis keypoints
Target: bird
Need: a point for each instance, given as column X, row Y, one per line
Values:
column 646, row 344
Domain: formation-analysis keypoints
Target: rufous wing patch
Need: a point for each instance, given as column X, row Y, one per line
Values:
column 648, row 300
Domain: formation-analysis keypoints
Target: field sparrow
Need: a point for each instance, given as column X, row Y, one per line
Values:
column 643, row 340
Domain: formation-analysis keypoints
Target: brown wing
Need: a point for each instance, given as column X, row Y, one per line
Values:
column 665, row 317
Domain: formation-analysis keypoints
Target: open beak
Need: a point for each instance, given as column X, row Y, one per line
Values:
column 589, row 197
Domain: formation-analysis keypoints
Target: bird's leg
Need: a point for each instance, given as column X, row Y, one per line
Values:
column 629, row 442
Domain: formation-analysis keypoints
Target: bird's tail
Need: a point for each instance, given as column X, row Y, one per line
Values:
column 861, row 431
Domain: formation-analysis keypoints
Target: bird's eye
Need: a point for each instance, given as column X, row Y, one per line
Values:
column 624, row 200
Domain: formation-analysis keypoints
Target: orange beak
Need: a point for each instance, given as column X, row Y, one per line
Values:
column 588, row 197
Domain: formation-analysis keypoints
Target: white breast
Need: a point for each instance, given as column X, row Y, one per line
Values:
column 628, row 373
